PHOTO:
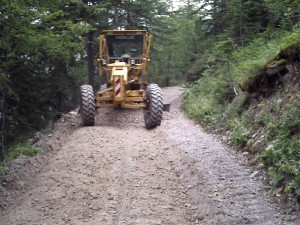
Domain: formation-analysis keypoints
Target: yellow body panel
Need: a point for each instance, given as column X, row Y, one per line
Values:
column 125, row 73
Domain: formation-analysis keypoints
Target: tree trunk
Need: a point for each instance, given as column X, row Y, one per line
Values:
column 169, row 69
column 2, row 123
column 90, row 58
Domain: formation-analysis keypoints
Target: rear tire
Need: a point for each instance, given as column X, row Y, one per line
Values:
column 154, row 106
column 87, row 106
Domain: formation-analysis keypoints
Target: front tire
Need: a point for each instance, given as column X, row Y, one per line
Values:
column 87, row 106
column 154, row 106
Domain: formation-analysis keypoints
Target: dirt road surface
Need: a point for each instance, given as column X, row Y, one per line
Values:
column 120, row 173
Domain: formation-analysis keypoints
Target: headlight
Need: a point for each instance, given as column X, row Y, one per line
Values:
column 132, row 62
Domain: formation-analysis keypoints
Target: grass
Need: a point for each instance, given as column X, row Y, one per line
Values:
column 21, row 149
column 249, row 61
column 282, row 157
column 239, row 132
column 210, row 102
column 283, row 161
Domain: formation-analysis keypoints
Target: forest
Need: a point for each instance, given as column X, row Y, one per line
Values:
column 213, row 47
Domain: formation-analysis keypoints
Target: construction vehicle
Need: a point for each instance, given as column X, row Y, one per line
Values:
column 123, row 58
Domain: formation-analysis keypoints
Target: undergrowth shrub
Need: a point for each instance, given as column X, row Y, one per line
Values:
column 236, row 108
column 203, row 109
column 282, row 157
column 250, row 60
column 206, row 101
column 239, row 132
column 21, row 149
column 210, row 102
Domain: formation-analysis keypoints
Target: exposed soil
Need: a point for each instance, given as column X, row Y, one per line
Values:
column 118, row 172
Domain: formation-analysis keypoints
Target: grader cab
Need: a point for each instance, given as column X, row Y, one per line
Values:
column 123, row 59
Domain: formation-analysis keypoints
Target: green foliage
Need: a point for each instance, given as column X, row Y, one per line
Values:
column 175, row 46
column 239, row 132
column 282, row 156
column 220, row 75
column 236, row 120
column 205, row 100
column 285, row 123
column 218, row 54
column 237, row 107
column 23, row 148
column 2, row 170
column 283, row 160
column 211, row 101
column 41, row 44
column 214, row 44
column 43, row 49
column 282, row 13
column 236, row 19
column 20, row 149
column 251, row 60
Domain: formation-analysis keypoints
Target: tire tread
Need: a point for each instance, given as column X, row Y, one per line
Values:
column 154, row 117
column 87, row 106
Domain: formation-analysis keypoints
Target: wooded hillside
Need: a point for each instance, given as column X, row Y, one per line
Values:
column 49, row 48
column 245, row 84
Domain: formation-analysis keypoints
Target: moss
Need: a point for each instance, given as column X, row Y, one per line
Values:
column 277, row 63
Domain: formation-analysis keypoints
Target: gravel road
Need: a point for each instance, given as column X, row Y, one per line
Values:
column 120, row 173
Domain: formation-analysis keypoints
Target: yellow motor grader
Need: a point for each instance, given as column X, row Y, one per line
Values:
column 123, row 59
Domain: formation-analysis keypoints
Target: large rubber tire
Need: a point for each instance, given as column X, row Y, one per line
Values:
column 154, row 106
column 87, row 105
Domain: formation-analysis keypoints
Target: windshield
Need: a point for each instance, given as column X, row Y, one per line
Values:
column 125, row 45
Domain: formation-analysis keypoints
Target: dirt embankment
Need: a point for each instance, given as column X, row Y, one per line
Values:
column 120, row 173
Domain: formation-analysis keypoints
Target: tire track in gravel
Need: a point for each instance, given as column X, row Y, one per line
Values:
column 119, row 173
column 107, row 175
column 228, row 195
